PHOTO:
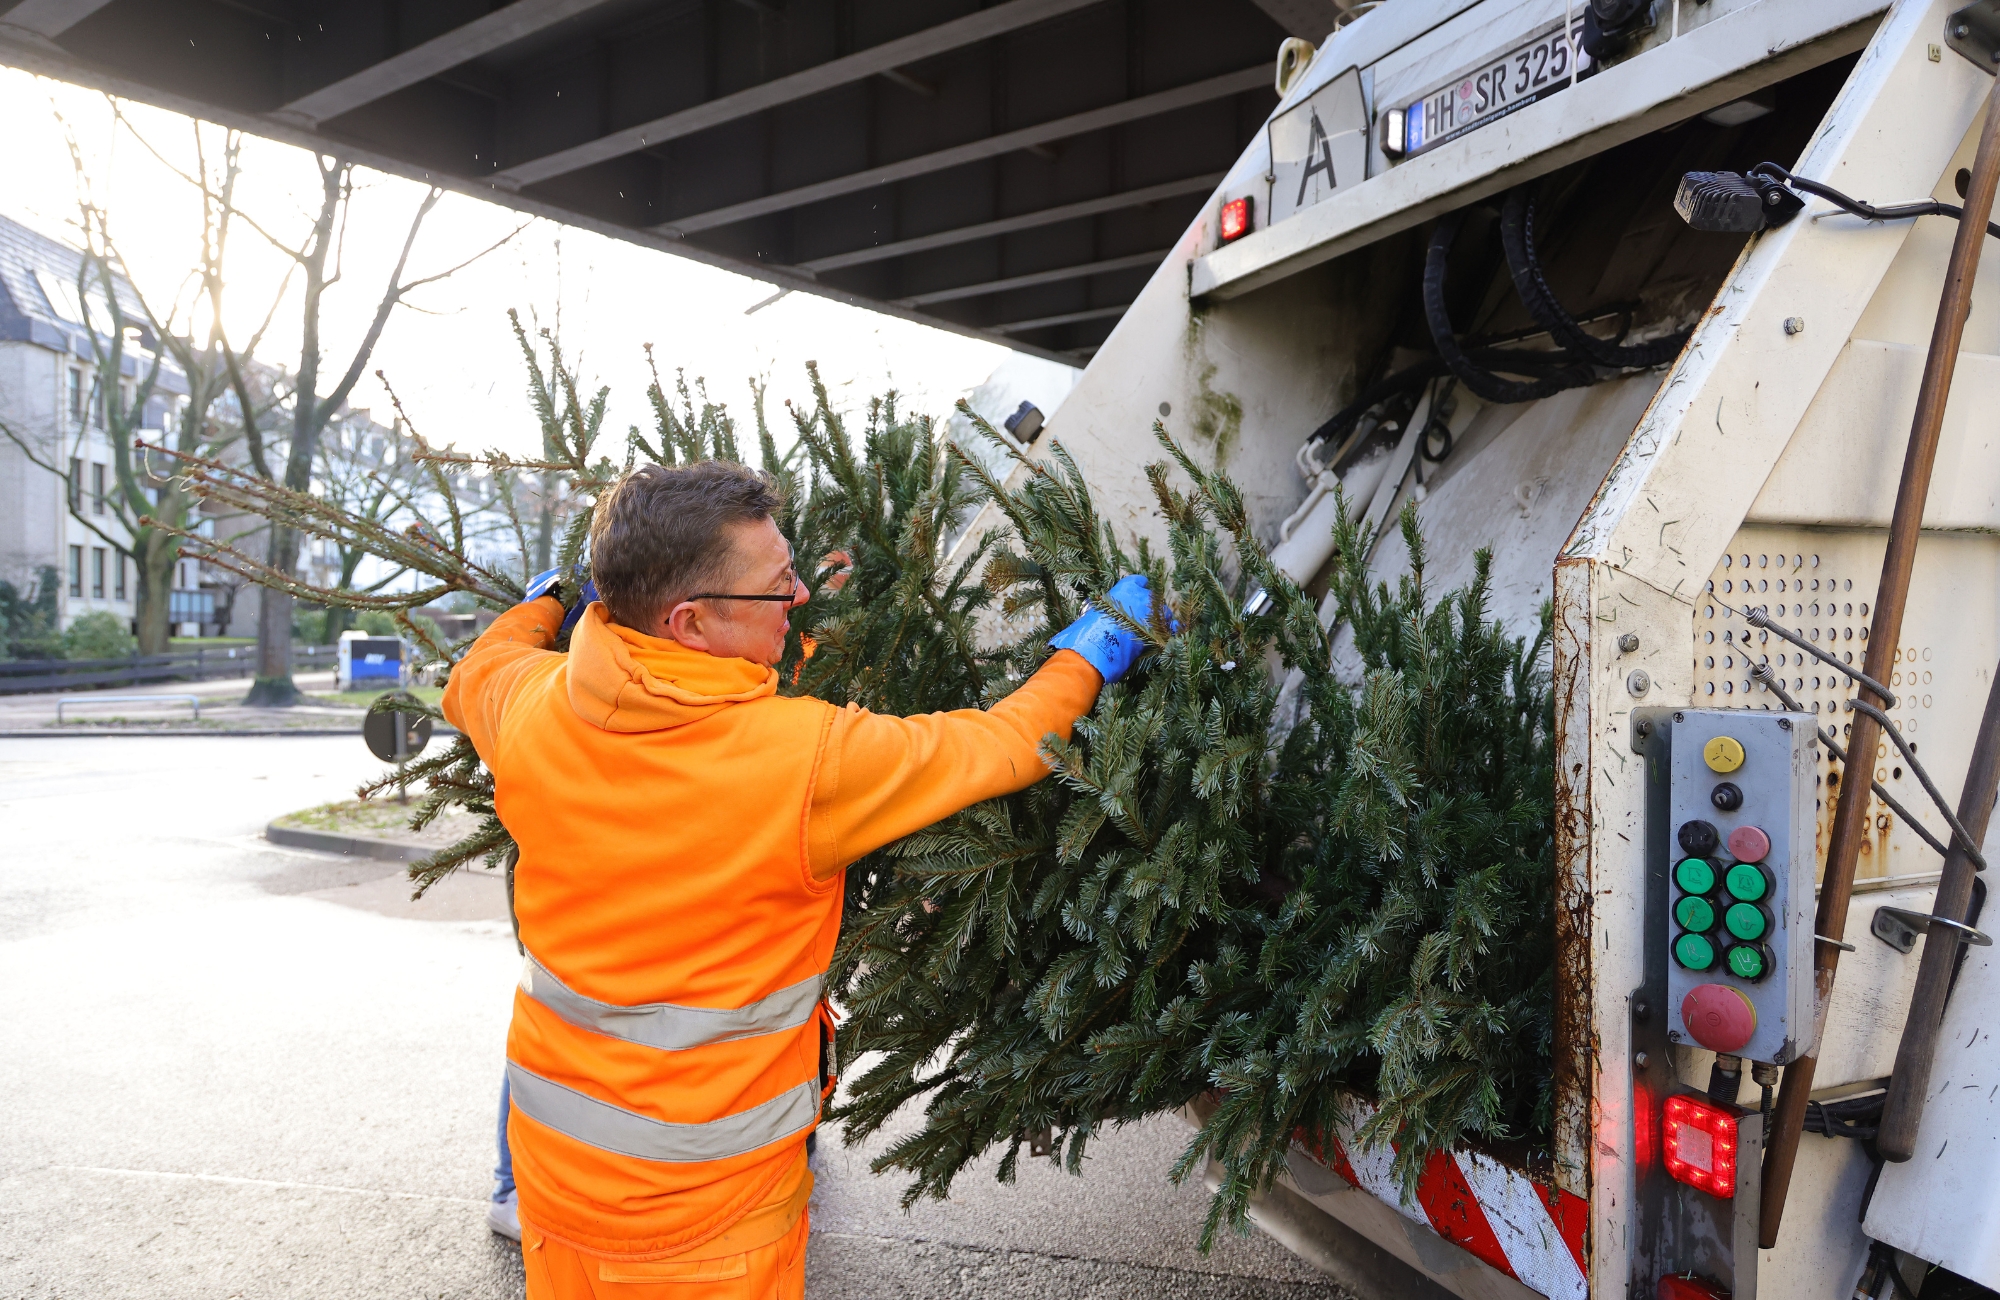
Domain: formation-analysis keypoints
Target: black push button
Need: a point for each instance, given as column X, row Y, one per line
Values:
column 1699, row 839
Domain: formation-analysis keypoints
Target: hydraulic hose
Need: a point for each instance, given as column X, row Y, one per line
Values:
column 1576, row 347
column 1342, row 422
column 1517, row 237
column 1482, row 383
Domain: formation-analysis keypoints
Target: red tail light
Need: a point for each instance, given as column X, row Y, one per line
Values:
column 1687, row 1286
column 1235, row 222
column 1699, row 1143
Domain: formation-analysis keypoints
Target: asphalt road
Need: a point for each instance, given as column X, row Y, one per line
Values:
column 238, row 1070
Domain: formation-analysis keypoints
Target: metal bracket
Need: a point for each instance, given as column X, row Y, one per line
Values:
column 1974, row 32
column 1647, row 722
column 1899, row 927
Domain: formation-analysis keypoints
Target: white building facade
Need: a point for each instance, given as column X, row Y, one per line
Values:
column 51, row 394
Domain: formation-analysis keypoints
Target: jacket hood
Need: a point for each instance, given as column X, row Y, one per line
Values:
column 626, row 681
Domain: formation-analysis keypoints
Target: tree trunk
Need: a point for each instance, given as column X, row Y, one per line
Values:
column 154, row 553
column 273, row 687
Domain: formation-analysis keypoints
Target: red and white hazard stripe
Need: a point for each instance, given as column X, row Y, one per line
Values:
column 1530, row 1231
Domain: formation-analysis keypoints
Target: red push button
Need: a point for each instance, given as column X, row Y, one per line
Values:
column 1748, row 844
column 1718, row 1017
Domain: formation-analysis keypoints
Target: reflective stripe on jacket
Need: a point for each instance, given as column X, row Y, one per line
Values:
column 682, row 830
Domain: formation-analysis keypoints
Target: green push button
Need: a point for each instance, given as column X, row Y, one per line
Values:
column 1695, row 875
column 1749, row 961
column 1748, row 881
column 1694, row 951
column 1747, row 921
column 1695, row 913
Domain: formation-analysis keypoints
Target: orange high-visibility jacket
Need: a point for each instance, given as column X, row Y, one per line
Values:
column 683, row 831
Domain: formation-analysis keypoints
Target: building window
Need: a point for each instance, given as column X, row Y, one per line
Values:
column 97, row 573
column 76, row 571
column 97, row 489
column 76, row 397
column 118, row 589
column 75, row 485
column 97, row 401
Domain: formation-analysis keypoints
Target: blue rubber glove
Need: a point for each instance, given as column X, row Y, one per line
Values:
column 1105, row 645
column 544, row 584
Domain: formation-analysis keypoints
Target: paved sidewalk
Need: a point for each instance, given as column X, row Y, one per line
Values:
column 240, row 1070
column 151, row 709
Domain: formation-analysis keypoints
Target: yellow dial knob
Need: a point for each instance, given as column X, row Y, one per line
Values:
column 1723, row 754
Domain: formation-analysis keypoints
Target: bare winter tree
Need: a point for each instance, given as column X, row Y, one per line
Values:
column 283, row 449
column 146, row 508
column 370, row 473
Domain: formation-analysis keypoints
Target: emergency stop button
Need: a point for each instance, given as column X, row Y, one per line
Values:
column 1718, row 1017
column 1749, row 844
column 1723, row 754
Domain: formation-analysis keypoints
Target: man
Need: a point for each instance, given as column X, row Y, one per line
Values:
column 683, row 831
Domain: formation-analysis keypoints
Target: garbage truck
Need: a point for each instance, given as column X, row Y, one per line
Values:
column 1674, row 305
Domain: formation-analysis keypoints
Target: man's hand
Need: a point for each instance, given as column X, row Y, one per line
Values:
column 545, row 584
column 1102, row 642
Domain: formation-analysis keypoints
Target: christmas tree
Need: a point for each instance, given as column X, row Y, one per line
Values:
column 1283, row 914
column 1363, row 907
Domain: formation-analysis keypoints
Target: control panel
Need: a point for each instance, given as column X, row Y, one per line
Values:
column 1740, row 887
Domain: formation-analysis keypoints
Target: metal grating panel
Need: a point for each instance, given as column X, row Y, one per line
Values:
column 1821, row 583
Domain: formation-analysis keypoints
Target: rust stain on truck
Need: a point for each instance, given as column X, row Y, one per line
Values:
column 1576, row 1045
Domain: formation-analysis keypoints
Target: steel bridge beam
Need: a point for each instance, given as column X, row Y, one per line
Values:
column 1030, row 280
column 1067, row 318
column 49, row 19
column 877, row 59
column 458, row 46
column 1131, row 110
column 1008, row 225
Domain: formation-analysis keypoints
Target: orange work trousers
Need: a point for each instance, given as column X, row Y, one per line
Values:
column 775, row 1271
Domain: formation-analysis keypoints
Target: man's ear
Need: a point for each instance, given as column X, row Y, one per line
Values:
column 683, row 623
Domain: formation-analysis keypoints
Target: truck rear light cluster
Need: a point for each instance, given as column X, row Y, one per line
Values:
column 1699, row 1143
column 1688, row 1286
column 1235, row 220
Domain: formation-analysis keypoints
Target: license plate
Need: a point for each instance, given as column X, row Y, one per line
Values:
column 1493, row 88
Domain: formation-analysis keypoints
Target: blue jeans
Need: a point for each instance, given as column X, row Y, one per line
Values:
column 503, row 1173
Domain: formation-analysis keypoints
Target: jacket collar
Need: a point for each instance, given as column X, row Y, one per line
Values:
column 626, row 681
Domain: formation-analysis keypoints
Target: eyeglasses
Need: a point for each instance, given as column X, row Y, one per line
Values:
column 791, row 593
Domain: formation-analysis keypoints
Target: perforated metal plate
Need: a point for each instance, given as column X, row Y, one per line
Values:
column 1821, row 584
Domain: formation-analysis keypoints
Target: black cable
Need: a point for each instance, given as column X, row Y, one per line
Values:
column 1900, row 212
column 1851, row 1117
column 1723, row 1082
column 1343, row 421
column 1483, row 384
column 1436, row 428
column 1517, row 238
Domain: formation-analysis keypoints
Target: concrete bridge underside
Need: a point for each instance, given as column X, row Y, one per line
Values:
column 1012, row 170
